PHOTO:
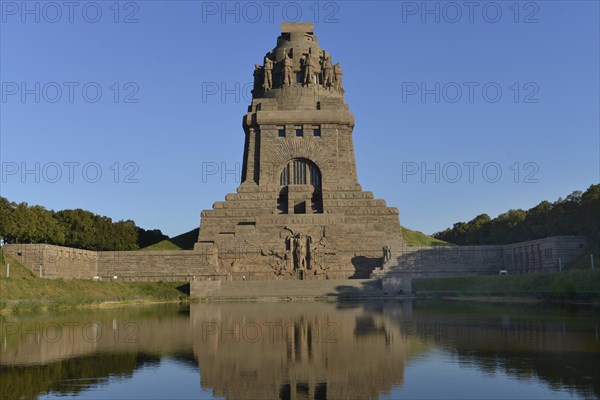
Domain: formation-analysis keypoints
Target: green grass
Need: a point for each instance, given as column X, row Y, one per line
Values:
column 23, row 290
column 583, row 260
column 416, row 238
column 558, row 284
column 185, row 241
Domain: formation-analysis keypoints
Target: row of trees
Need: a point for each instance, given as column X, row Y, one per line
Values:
column 577, row 214
column 21, row 223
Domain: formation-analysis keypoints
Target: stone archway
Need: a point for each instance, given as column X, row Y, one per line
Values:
column 300, row 188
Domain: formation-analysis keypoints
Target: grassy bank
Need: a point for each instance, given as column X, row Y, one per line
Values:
column 23, row 291
column 185, row 241
column 416, row 238
column 556, row 285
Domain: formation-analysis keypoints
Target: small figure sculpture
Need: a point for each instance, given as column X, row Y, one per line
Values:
column 337, row 77
column 327, row 71
column 268, row 70
column 387, row 254
column 287, row 70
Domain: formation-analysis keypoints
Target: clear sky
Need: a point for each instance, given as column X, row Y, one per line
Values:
column 151, row 95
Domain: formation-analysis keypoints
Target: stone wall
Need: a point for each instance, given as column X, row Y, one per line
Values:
column 171, row 265
column 541, row 255
column 68, row 263
column 49, row 261
column 441, row 261
column 205, row 262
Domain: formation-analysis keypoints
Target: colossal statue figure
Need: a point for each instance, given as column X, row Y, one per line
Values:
column 337, row 77
column 258, row 79
column 309, row 69
column 268, row 72
column 327, row 70
column 287, row 70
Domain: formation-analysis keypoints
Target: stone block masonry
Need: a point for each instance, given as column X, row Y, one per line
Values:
column 69, row 263
column 299, row 206
column 541, row 255
column 49, row 261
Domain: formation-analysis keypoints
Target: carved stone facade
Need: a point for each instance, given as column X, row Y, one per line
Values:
column 299, row 212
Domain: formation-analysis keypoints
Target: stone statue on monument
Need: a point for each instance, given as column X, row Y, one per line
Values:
column 337, row 77
column 287, row 69
column 327, row 67
column 387, row 254
column 268, row 72
column 258, row 79
column 309, row 69
column 300, row 252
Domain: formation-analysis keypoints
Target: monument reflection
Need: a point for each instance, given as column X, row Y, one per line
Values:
column 297, row 350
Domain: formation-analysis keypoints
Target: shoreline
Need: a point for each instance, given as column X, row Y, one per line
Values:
column 15, row 307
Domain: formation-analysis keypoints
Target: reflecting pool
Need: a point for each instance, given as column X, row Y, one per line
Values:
column 304, row 350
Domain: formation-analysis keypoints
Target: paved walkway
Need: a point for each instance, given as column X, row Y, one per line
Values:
column 300, row 289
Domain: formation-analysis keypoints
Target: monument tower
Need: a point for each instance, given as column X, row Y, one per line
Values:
column 299, row 212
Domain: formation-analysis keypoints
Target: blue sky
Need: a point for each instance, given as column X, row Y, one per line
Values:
column 466, row 93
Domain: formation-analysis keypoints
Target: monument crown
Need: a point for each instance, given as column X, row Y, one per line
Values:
column 297, row 61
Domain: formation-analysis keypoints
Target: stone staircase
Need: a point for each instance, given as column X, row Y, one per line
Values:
column 442, row 261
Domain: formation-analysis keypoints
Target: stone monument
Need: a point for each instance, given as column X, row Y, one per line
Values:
column 299, row 212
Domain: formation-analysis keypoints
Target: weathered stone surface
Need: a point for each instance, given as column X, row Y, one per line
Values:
column 202, row 264
column 66, row 262
column 48, row 261
column 204, row 289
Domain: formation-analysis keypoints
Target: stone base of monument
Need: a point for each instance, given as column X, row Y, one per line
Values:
column 204, row 289
column 270, row 290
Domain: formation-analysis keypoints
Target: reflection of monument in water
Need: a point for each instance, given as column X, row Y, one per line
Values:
column 299, row 211
column 299, row 352
column 281, row 350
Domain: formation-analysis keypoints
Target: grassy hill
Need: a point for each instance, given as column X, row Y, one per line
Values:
column 416, row 238
column 186, row 241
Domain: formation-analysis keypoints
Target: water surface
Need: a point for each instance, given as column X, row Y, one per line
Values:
column 304, row 350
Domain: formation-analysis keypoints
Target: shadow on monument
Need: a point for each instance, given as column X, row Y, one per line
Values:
column 368, row 289
column 412, row 262
column 364, row 266
column 185, row 288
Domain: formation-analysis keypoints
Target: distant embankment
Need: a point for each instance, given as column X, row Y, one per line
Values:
column 582, row 284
